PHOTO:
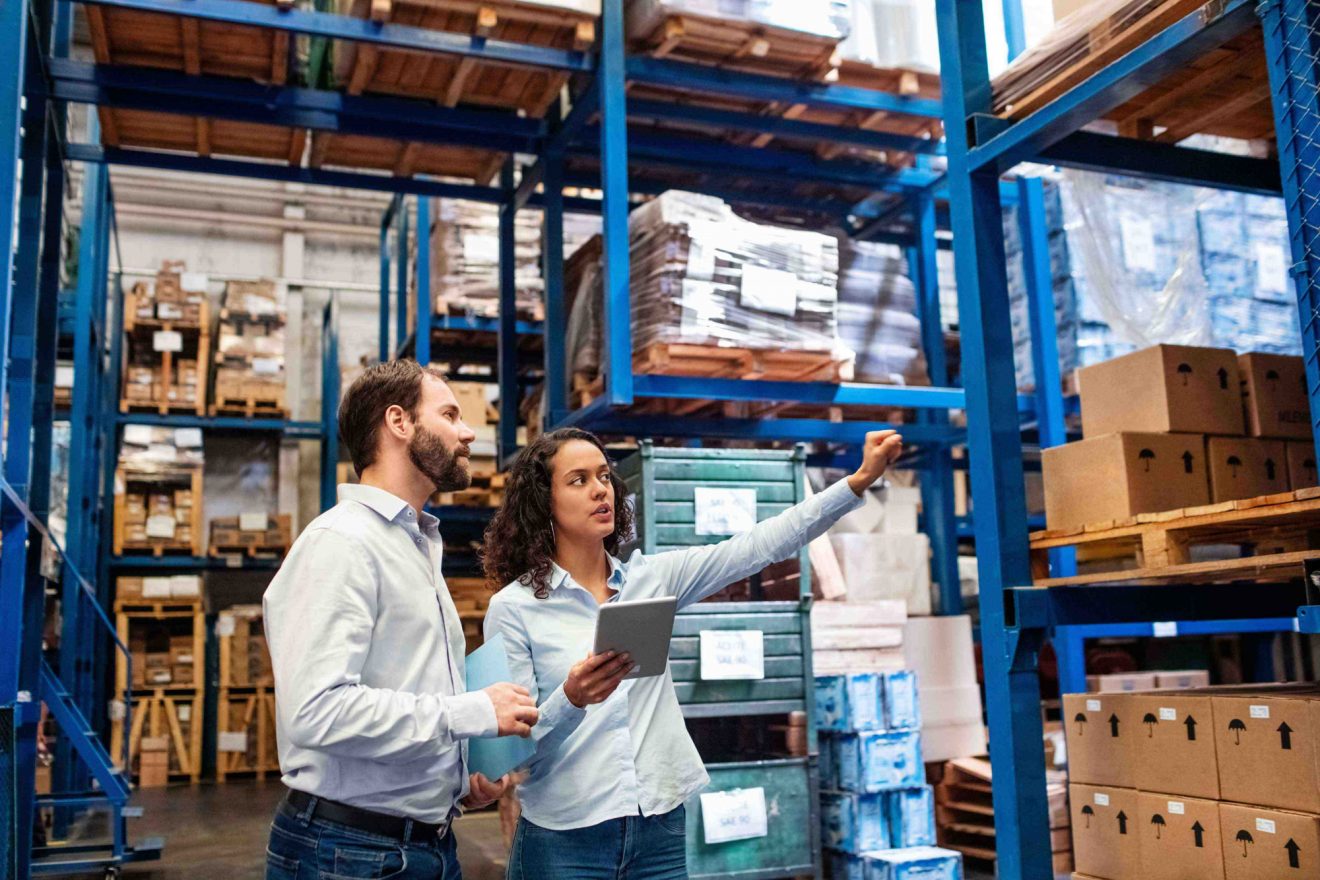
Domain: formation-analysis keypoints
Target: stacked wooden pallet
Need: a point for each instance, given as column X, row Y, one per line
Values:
column 158, row 512
column 245, row 707
column 167, row 343
column 257, row 535
column 249, row 378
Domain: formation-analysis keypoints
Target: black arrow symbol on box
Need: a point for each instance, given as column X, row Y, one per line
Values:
column 1223, row 378
column 1113, row 725
column 1080, row 718
column 1285, row 736
column 1293, row 849
column 1191, row 728
column 1199, row 831
column 1122, row 822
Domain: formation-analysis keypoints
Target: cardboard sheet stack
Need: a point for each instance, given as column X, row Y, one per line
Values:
column 939, row 650
column 880, row 552
column 877, row 314
column 877, row 813
column 1216, row 783
column 249, row 358
column 701, row 275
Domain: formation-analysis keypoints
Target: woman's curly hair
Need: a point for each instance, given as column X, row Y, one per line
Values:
column 519, row 543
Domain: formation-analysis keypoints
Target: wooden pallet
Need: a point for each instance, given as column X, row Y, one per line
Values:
column 159, row 546
column 260, row 758
column 157, row 714
column 158, row 609
column 138, row 334
column 249, row 407
column 200, row 135
column 450, row 80
column 404, row 158
column 713, row 361
column 250, row 551
column 487, row 490
column 1156, row 547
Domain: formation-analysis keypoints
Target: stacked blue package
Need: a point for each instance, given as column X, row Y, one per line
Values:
column 829, row 767
column 878, row 760
column 854, row 823
column 917, row 863
column 847, row 866
column 902, row 710
column 849, row 702
column 911, row 816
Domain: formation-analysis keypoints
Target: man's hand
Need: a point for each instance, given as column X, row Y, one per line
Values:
column 596, row 677
column 514, row 709
column 881, row 449
column 482, row 792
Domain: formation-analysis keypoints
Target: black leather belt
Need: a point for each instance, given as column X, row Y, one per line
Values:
column 366, row 820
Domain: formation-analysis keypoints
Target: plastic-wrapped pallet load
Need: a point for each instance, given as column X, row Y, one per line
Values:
column 877, row 314
column 249, row 359
column 881, row 554
column 893, row 33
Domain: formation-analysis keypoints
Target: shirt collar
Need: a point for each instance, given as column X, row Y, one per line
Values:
column 386, row 504
column 558, row 575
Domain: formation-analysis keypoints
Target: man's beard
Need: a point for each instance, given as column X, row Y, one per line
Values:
column 445, row 469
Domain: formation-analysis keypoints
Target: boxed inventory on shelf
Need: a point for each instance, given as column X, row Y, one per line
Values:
column 250, row 346
column 244, row 653
column 1163, row 389
column 877, row 314
column 916, row 863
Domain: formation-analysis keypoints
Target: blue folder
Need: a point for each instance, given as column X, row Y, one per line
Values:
column 495, row 756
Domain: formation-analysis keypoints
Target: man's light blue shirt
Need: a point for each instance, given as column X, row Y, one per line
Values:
column 632, row 752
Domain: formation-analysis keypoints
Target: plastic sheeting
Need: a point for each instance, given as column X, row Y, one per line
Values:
column 825, row 18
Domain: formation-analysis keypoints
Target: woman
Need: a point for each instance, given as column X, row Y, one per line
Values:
column 605, row 794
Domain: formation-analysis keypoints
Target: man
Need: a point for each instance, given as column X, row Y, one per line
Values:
column 368, row 649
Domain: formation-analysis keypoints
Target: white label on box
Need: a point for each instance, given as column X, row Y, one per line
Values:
column 733, row 815
column 732, row 655
column 160, row 527
column 481, row 248
column 724, row 511
column 185, row 586
column 155, row 588
column 1168, row 714
column 162, row 452
column 1260, row 712
column 1266, row 825
column 232, row 742
column 1271, row 267
column 188, row 438
column 1165, row 629
column 139, row 435
column 185, row 712
column 252, row 522
column 769, row 290
column 167, row 340
column 118, row 712
column 224, row 625
column 63, row 377
column 194, row 281
column 1138, row 236
column 267, row 366
column 1101, row 800
column 1093, row 705
column 1177, row 808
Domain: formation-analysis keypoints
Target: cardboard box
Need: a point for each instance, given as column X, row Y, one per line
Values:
column 1174, row 751
column 1268, row 752
column 1171, row 389
column 1180, row 838
column 1261, row 844
column 1243, row 467
column 1100, row 733
column 471, row 398
column 1106, row 844
column 1302, row 472
column 1182, row 679
column 1121, row 682
column 128, row 589
column 182, row 674
column 1121, row 475
column 1274, row 396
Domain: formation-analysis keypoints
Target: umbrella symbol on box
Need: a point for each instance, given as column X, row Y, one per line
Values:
column 1185, row 370
column 1244, row 837
column 1080, row 718
column 1238, row 728
column 1088, row 813
column 1234, row 463
column 1158, row 821
column 1150, row 721
column 1146, row 456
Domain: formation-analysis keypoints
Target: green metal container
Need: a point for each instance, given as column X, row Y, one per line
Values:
column 663, row 483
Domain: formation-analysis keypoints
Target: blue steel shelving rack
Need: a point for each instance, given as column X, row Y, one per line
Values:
column 1016, row 619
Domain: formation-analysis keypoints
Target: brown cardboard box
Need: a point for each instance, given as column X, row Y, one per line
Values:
column 1267, row 746
column 1180, row 838
column 1121, row 475
column 128, row 589
column 1164, row 389
column 1243, row 467
column 1302, row 472
column 1100, row 731
column 1104, row 829
column 1261, row 844
column 1183, row 679
column 1275, row 397
column 1173, row 750
column 1121, row 682
column 471, row 398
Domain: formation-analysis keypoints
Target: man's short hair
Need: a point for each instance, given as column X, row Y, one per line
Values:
column 393, row 383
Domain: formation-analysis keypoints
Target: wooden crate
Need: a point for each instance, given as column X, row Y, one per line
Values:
column 249, row 400
column 191, row 478
column 244, row 656
column 471, row 597
column 450, row 80
column 139, row 333
column 176, row 715
column 245, row 734
column 228, row 537
column 404, row 158
column 1156, row 547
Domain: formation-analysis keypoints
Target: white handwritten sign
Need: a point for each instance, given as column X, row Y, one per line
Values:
column 167, row 340
column 1271, row 267
column 160, row 526
column 232, row 742
column 724, row 511
column 732, row 655
column 733, row 815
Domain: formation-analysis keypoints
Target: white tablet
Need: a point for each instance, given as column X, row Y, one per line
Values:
column 642, row 628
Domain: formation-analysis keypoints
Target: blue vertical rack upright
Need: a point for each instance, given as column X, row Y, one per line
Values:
column 1017, row 618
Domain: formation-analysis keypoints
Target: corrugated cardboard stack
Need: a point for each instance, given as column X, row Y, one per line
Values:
column 1216, row 783
column 1164, row 429
column 249, row 358
column 158, row 489
column 940, row 650
column 877, row 314
column 881, row 553
column 876, row 810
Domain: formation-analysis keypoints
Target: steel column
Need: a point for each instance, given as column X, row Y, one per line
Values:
column 329, row 403
column 995, row 449
column 507, row 337
column 616, row 360
column 401, row 220
column 552, row 271
column 422, row 301
column 385, row 223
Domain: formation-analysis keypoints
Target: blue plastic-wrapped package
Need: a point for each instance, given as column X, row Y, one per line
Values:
column 828, row 763
column 846, row 866
column 902, row 711
column 849, row 702
column 854, row 823
column 879, row 760
column 911, row 816
column 917, row 863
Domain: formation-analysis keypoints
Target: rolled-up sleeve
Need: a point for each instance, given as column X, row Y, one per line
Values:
column 320, row 613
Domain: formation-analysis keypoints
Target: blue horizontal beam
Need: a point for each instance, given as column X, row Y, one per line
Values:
column 485, row 325
column 1165, row 162
column 795, row 430
column 1047, row 607
column 342, row 27
column 846, row 393
column 165, row 91
column 770, row 194
column 1186, row 628
column 1112, row 86
column 303, row 430
column 714, row 80
column 1308, row 619
column 191, row 563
